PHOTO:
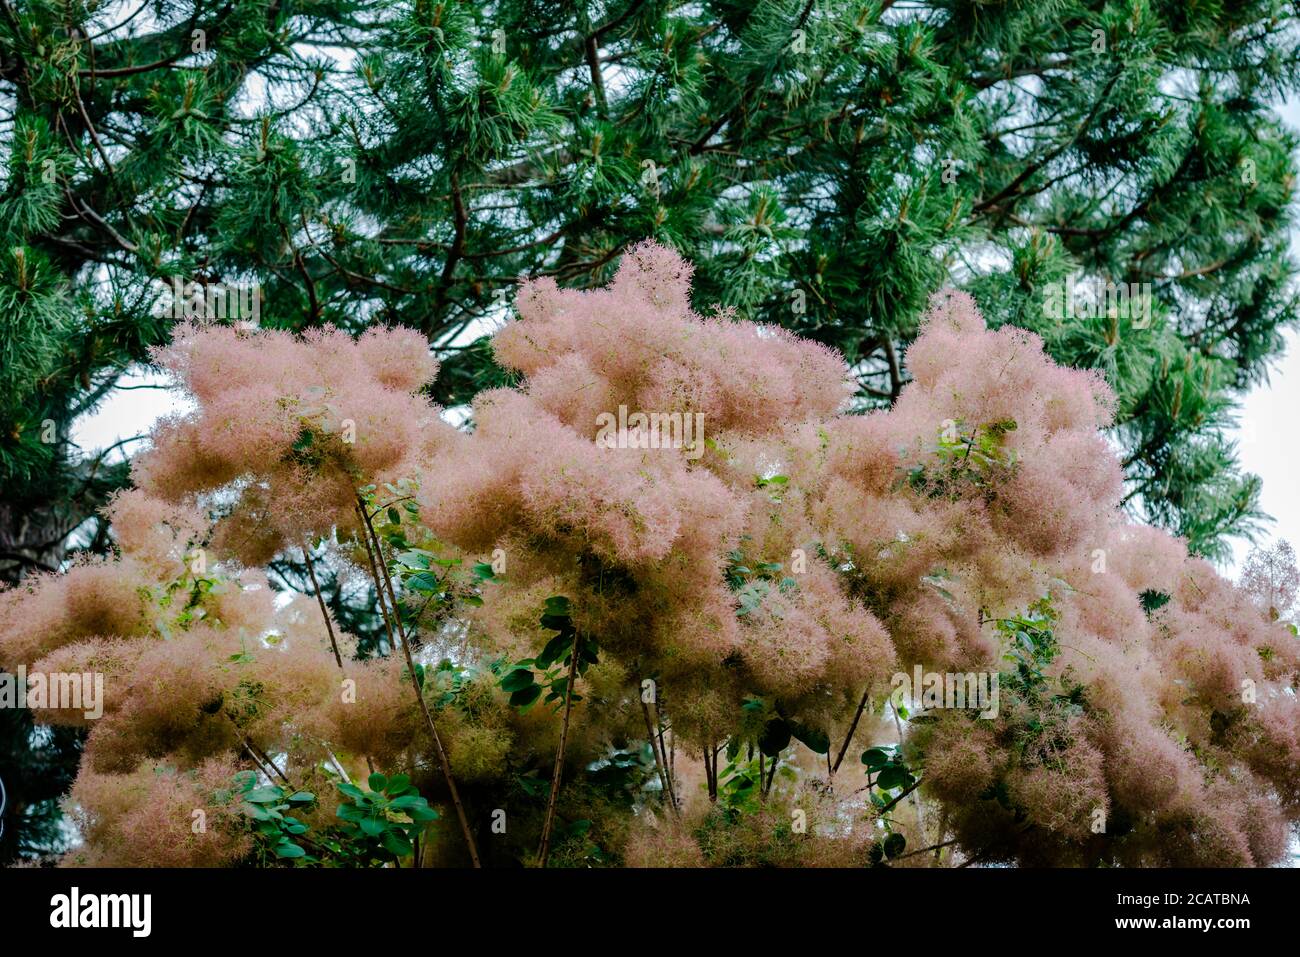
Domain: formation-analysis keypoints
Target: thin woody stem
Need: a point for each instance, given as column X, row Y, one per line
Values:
column 383, row 609
column 268, row 759
column 904, row 793
column 654, row 748
column 771, row 775
column 320, row 599
column 848, row 738
column 672, row 759
column 379, row 589
column 708, row 772
column 715, row 751
column 263, row 761
column 545, row 850
column 262, row 764
column 376, row 561
column 932, row 847
column 663, row 752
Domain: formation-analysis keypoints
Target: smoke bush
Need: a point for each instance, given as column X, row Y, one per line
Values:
column 749, row 593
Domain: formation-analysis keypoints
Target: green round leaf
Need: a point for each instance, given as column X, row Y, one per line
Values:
column 817, row 740
column 526, row 696
column 517, row 680
column 775, row 737
column 557, row 605
column 556, row 649
column 397, row 844
column 289, row 849
column 875, row 758
column 894, row 776
column 350, row 813
column 264, row 795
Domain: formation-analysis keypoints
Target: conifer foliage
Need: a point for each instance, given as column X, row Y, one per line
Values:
column 827, row 165
column 587, row 624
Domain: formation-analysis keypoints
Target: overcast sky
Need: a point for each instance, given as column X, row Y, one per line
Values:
column 1267, row 425
column 1267, row 437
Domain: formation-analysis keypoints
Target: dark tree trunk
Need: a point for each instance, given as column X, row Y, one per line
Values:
column 32, row 538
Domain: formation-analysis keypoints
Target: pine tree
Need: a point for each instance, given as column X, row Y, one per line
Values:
column 827, row 165
column 123, row 130
column 1077, row 689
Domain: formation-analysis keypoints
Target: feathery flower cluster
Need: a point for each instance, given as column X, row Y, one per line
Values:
column 651, row 528
column 203, row 671
column 862, row 544
column 290, row 428
column 771, row 571
column 1166, row 704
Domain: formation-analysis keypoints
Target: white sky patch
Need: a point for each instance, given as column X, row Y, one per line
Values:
column 141, row 398
column 1266, row 430
column 1266, row 435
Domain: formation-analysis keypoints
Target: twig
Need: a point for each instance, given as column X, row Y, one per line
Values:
column 376, row 561
column 379, row 589
column 591, row 50
column 545, row 850
column 663, row 751
column 852, row 728
column 260, row 756
column 895, row 376
column 932, row 847
column 902, row 794
column 320, row 600
column 654, row 747
column 132, row 70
